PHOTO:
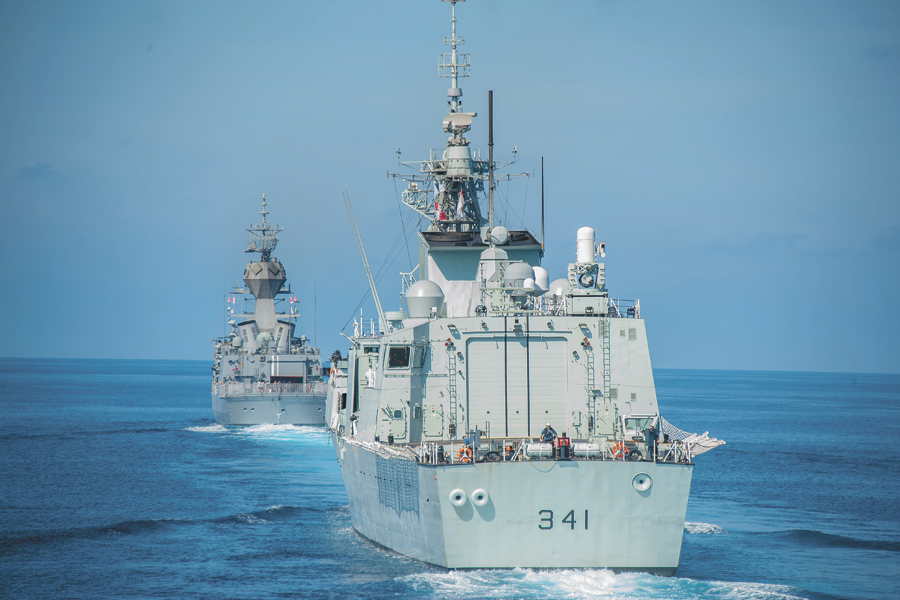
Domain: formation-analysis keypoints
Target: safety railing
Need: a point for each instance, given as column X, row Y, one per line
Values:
column 227, row 389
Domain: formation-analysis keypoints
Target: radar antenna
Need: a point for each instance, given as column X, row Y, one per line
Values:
column 263, row 238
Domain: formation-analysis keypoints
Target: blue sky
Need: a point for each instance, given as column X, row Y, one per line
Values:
column 740, row 159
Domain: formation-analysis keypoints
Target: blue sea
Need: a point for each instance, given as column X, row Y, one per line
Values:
column 115, row 482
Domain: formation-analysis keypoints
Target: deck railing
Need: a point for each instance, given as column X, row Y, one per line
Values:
column 248, row 389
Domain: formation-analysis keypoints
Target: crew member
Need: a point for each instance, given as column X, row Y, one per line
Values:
column 652, row 437
column 548, row 434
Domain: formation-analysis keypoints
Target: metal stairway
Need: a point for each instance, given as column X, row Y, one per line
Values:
column 451, row 390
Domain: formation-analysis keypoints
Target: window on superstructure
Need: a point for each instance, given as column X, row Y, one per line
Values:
column 638, row 424
column 419, row 357
column 398, row 357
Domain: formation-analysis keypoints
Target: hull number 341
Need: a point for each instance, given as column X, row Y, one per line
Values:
column 547, row 519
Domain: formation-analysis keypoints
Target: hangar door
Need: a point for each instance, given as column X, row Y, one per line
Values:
column 516, row 384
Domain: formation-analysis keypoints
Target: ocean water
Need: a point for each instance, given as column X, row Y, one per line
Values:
column 116, row 483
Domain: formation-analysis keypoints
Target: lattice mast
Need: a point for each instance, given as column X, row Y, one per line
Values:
column 263, row 237
column 448, row 185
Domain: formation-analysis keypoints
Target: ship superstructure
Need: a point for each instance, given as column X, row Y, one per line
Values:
column 440, row 419
column 262, row 373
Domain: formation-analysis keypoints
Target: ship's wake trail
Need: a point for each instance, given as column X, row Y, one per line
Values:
column 268, row 431
column 214, row 428
column 567, row 584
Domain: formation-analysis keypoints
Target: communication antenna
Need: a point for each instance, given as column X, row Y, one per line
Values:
column 455, row 64
column 382, row 322
column 542, row 203
column 491, row 158
column 315, row 315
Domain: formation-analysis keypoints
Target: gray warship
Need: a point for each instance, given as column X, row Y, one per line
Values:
column 438, row 418
column 261, row 372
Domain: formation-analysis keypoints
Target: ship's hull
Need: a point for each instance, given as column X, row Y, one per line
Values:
column 546, row 514
column 266, row 408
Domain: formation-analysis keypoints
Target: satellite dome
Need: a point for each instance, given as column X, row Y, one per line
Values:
column 499, row 235
column 541, row 281
column 516, row 273
column 422, row 297
column 559, row 287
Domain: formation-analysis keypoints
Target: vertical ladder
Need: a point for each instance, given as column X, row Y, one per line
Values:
column 451, row 389
column 589, row 384
column 604, row 323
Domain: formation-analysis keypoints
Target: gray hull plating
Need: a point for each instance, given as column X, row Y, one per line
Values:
column 547, row 514
column 294, row 409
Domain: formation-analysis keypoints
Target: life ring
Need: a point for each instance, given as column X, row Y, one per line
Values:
column 618, row 449
column 480, row 497
column 464, row 454
column 458, row 497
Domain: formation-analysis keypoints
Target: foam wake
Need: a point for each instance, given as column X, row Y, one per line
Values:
column 268, row 431
column 707, row 528
column 585, row 583
column 214, row 428
column 284, row 432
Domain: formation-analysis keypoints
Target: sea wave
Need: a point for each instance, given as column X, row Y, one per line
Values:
column 272, row 514
column 807, row 537
column 136, row 527
column 268, row 515
column 566, row 584
column 707, row 528
column 74, row 434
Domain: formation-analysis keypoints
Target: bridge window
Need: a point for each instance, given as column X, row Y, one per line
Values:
column 398, row 357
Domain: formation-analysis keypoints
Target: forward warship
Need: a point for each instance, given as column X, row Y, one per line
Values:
column 262, row 373
column 440, row 419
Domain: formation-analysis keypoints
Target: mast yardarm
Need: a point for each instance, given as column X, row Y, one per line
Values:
column 263, row 238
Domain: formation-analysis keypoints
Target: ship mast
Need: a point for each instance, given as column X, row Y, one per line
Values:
column 448, row 183
column 263, row 238
column 455, row 66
